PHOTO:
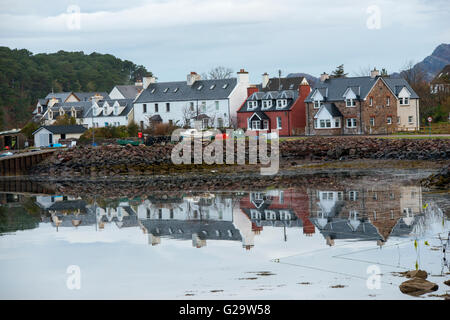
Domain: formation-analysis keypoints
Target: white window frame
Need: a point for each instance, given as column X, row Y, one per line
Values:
column 389, row 120
column 254, row 126
column 266, row 104
column 279, row 123
column 252, row 105
column 371, row 101
column 353, row 123
column 410, row 119
column 388, row 101
column 372, row 121
column 281, row 103
column 352, row 103
column 317, row 104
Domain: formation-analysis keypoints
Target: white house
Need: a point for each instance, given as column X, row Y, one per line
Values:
column 46, row 135
column 215, row 102
column 105, row 113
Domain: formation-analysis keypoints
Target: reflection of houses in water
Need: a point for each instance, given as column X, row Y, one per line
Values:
column 275, row 208
column 198, row 218
column 370, row 213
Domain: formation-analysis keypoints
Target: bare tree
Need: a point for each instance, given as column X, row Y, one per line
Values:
column 363, row 71
column 188, row 115
column 219, row 72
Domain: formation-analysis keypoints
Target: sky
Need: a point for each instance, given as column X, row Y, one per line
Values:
column 174, row 37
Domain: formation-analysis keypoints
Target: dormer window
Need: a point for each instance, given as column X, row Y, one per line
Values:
column 175, row 90
column 316, row 104
column 404, row 101
column 267, row 104
column 116, row 110
column 252, row 104
column 350, row 102
column 212, row 87
column 200, row 87
column 281, row 103
column 225, row 86
column 166, row 89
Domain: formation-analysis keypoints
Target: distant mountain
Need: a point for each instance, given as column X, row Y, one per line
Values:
column 311, row 79
column 434, row 63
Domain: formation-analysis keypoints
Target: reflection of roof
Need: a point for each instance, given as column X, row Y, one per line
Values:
column 337, row 228
column 68, row 205
column 183, row 230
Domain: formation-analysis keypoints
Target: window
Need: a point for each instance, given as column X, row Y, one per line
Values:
column 353, row 195
column 325, row 123
column 175, row 90
column 204, row 106
column 252, row 104
column 167, row 107
column 220, row 122
column 372, row 122
column 265, row 124
column 316, row 104
column 225, row 86
column 267, row 104
column 371, row 101
column 200, row 87
column 256, row 125
column 212, row 87
column 278, row 122
column 281, row 103
column 350, row 102
column 351, row 123
column 315, row 123
column 410, row 119
column 404, row 101
column 388, row 101
column 116, row 110
column 166, row 89
column 389, row 120
column 156, row 107
column 217, row 105
column 337, row 123
column 191, row 106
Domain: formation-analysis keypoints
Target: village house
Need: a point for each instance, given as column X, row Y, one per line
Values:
column 361, row 105
column 46, row 135
column 214, row 102
column 276, row 109
column 126, row 91
column 441, row 83
column 107, row 113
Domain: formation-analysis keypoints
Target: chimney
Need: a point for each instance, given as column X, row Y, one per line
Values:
column 138, row 83
column 304, row 90
column 192, row 77
column 243, row 76
column 146, row 81
column 374, row 73
column 324, row 76
column 265, row 79
column 251, row 90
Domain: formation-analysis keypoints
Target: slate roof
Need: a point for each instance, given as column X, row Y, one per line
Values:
column 127, row 103
column 442, row 76
column 338, row 228
column 332, row 110
column 276, row 84
column 129, row 91
column 180, row 91
column 85, row 96
column 63, row 129
column 290, row 95
column 333, row 89
column 62, row 96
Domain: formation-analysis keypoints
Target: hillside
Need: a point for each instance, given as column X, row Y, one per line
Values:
column 25, row 77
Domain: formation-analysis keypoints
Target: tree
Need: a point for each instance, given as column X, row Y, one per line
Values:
column 65, row 120
column 339, row 72
column 218, row 73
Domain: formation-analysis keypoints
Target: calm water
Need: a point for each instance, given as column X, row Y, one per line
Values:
column 310, row 242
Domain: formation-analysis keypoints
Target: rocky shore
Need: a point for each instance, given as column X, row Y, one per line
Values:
column 115, row 160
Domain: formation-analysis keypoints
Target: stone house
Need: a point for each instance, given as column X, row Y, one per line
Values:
column 361, row 105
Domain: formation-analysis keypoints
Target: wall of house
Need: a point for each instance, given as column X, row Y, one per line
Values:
column 177, row 111
column 112, row 121
column 239, row 94
column 409, row 110
column 379, row 110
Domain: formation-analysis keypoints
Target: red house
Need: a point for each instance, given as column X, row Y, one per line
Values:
column 282, row 109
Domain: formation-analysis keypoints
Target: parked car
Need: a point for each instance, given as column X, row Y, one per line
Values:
column 6, row 154
column 204, row 135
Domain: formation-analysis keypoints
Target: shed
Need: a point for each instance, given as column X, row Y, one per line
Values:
column 46, row 135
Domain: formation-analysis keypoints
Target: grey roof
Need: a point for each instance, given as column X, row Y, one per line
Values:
column 290, row 95
column 183, row 230
column 63, row 129
column 129, row 91
column 261, row 115
column 338, row 228
column 85, row 96
column 156, row 118
column 127, row 103
column 333, row 89
column 62, row 96
column 332, row 109
column 180, row 91
column 288, row 83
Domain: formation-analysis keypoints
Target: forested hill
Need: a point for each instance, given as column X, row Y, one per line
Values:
column 25, row 77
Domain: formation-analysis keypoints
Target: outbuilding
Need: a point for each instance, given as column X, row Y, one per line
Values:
column 46, row 135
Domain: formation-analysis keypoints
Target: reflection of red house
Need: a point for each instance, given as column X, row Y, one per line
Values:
column 283, row 110
column 277, row 206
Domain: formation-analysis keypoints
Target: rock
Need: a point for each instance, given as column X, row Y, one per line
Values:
column 447, row 282
column 417, row 274
column 417, row 286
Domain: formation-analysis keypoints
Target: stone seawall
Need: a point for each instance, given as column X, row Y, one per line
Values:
column 156, row 159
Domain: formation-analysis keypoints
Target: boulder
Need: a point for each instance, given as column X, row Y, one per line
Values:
column 417, row 286
column 417, row 274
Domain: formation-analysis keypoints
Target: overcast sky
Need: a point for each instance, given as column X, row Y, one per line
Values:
column 172, row 38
